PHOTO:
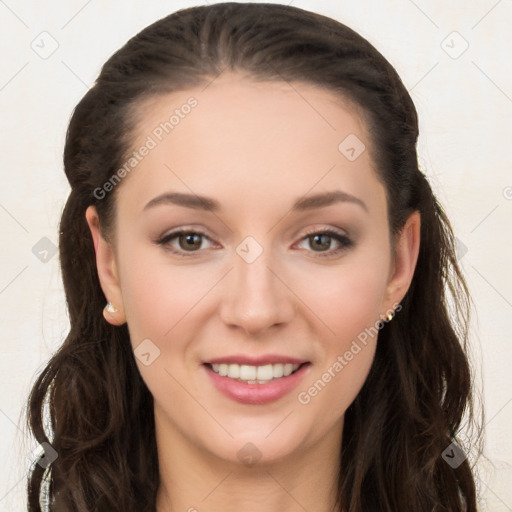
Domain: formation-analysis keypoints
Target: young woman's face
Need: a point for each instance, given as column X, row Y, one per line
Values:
column 265, row 277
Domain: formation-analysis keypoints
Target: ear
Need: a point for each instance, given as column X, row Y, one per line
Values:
column 406, row 251
column 107, row 269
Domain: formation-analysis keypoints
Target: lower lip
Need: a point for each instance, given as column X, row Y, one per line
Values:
column 257, row 394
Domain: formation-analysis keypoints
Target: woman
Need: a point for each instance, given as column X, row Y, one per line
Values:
column 256, row 275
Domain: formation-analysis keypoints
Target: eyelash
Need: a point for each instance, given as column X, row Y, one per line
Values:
column 342, row 239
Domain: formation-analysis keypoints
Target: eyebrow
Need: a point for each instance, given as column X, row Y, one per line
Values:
column 310, row 202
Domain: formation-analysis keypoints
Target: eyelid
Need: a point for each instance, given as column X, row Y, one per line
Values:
column 335, row 233
column 167, row 237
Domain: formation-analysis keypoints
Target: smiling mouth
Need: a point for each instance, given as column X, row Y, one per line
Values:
column 262, row 374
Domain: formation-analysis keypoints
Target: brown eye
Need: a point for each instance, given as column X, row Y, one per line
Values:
column 184, row 242
column 320, row 241
column 189, row 241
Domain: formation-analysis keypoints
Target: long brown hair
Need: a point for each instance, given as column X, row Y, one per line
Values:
column 419, row 390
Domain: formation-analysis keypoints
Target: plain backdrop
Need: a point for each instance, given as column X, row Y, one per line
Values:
column 454, row 58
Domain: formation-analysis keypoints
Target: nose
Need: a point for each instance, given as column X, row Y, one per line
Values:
column 256, row 296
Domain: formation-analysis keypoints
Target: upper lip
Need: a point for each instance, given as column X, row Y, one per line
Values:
column 256, row 361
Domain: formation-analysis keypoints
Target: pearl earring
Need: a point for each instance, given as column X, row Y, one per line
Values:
column 110, row 307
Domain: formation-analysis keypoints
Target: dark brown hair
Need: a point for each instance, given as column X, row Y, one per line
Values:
column 418, row 392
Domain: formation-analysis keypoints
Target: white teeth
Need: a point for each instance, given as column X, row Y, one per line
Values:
column 234, row 371
column 255, row 374
column 277, row 370
column 264, row 372
column 247, row 372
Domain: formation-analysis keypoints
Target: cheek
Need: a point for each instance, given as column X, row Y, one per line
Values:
column 159, row 296
column 331, row 391
column 160, row 302
column 349, row 303
column 347, row 298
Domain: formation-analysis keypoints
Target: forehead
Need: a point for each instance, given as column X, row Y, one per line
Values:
column 258, row 109
column 260, row 139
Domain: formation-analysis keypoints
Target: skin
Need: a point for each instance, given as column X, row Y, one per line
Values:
column 255, row 148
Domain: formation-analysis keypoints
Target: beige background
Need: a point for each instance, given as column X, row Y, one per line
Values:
column 464, row 99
